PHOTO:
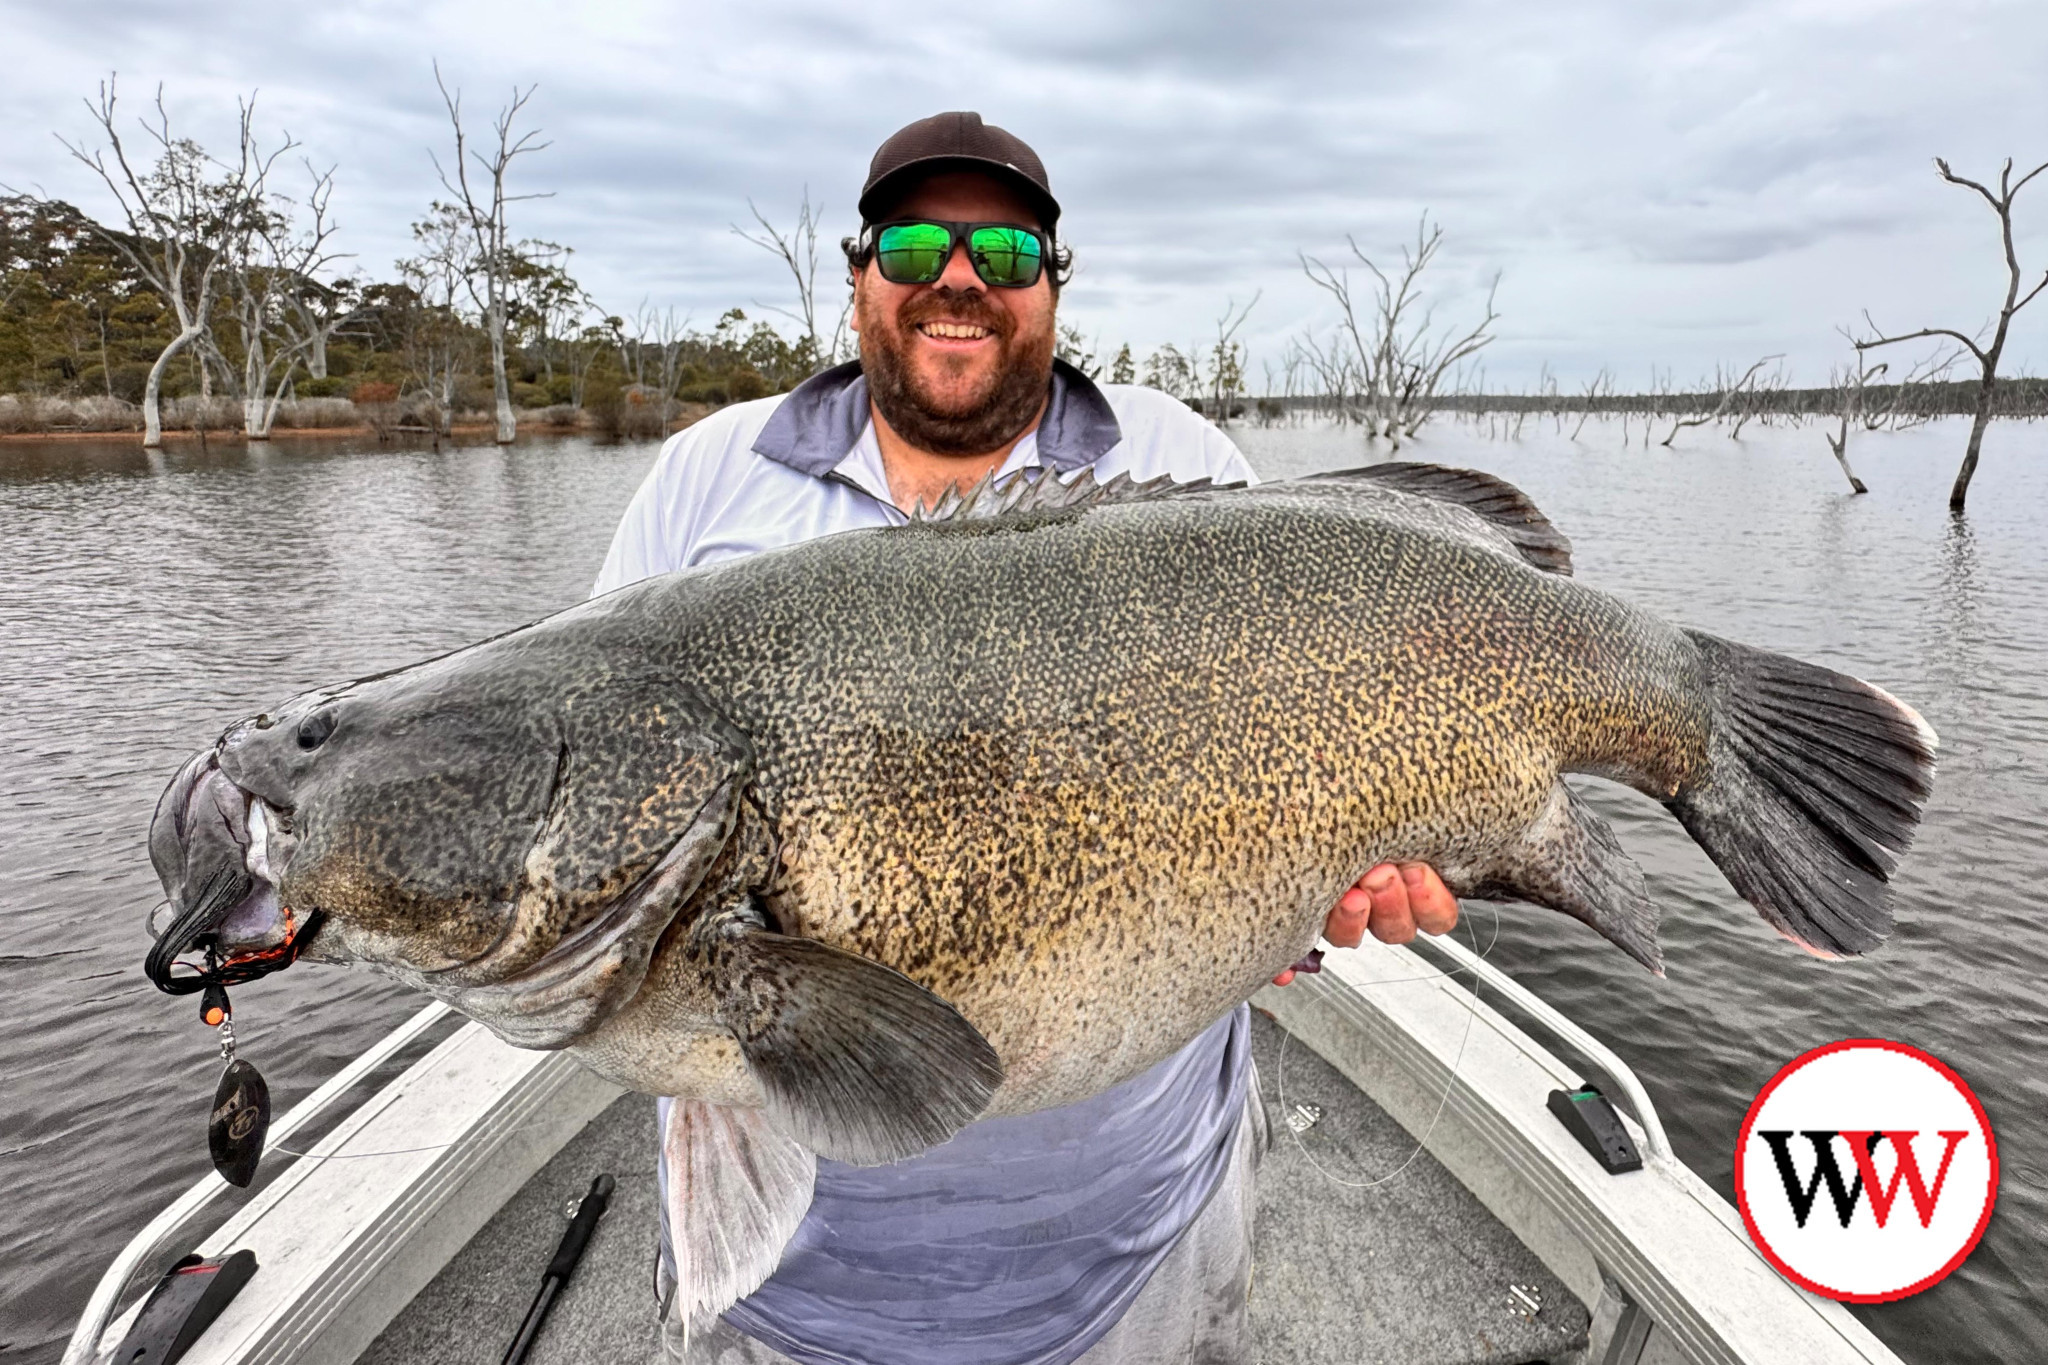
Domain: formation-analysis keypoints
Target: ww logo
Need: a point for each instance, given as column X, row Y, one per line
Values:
column 1831, row 1146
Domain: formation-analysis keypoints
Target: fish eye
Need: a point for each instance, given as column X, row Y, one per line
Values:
column 314, row 729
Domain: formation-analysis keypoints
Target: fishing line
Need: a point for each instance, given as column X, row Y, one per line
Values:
column 1450, row 1083
column 350, row 1156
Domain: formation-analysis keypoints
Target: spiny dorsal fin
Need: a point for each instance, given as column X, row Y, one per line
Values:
column 1498, row 501
column 1042, row 490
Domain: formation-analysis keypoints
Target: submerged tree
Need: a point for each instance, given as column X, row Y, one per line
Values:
column 1987, row 354
column 1394, row 359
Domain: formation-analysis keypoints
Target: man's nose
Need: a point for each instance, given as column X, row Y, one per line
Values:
column 959, row 272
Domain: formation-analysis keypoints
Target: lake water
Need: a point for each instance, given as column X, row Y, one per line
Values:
column 147, row 601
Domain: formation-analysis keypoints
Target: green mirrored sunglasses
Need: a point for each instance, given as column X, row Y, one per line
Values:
column 1004, row 255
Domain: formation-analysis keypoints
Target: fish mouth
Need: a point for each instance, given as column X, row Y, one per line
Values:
column 221, row 853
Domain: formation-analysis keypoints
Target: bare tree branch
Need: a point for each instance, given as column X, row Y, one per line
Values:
column 1988, row 354
column 495, row 256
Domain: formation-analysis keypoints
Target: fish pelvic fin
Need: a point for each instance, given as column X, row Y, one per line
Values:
column 1504, row 507
column 737, row 1189
column 854, row 1059
column 1569, row 859
column 1815, row 783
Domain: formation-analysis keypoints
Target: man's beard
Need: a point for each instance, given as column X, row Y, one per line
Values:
column 992, row 414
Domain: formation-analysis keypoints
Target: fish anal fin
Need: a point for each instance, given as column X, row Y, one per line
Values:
column 1570, row 860
column 854, row 1059
column 737, row 1189
column 1495, row 501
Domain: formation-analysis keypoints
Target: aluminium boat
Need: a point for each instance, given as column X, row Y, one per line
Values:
column 1424, row 1199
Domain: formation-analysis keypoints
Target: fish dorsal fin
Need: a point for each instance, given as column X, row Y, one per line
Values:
column 1042, row 490
column 1498, row 502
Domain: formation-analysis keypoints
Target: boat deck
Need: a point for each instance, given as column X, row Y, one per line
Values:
column 1412, row 1271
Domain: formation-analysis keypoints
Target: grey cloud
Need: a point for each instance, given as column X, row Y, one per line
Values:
column 1684, row 153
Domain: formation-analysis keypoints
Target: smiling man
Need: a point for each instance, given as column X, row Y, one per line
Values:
column 1113, row 1231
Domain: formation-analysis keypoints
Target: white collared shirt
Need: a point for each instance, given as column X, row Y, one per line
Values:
column 711, row 496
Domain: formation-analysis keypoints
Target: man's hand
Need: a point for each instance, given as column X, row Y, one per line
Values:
column 1392, row 901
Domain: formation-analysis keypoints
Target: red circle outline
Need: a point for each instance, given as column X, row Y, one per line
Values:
column 1763, row 1245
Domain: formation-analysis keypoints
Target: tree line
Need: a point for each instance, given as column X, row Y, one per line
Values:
column 220, row 283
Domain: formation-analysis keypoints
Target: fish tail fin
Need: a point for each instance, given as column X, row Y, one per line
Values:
column 1814, row 786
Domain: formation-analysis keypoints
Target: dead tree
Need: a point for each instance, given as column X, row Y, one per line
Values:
column 1987, row 355
column 1757, row 400
column 1730, row 394
column 182, row 216
column 1399, row 359
column 490, row 283
column 798, row 251
column 437, row 277
column 271, row 267
column 1226, row 360
column 1851, row 385
column 1600, row 387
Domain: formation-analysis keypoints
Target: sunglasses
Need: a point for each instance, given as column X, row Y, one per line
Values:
column 1005, row 256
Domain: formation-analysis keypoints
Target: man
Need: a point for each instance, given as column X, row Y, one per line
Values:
column 1112, row 1231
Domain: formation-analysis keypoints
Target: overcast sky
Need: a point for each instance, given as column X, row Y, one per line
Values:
column 1659, row 184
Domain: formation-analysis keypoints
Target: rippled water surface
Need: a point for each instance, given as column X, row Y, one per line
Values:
column 147, row 601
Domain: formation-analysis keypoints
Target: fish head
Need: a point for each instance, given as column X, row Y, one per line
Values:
column 507, row 833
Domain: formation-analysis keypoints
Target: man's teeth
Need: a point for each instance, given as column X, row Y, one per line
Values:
column 953, row 331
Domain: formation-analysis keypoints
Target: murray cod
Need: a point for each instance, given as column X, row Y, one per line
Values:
column 850, row 843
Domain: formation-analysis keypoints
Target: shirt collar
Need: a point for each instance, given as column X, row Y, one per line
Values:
column 812, row 429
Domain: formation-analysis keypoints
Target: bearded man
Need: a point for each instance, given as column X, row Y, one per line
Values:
column 1116, row 1230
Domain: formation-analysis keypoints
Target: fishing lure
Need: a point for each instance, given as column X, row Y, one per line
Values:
column 240, row 1115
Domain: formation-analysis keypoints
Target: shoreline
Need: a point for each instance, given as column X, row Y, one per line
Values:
column 235, row 436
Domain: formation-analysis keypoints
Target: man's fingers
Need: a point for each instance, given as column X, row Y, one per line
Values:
column 1285, row 978
column 1391, row 902
column 1345, row 926
column 1390, row 920
column 1430, row 902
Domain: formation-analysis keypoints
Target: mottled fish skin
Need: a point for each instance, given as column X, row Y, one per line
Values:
column 1087, row 774
column 1051, row 766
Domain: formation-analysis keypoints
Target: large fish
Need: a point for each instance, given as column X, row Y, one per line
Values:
column 852, row 842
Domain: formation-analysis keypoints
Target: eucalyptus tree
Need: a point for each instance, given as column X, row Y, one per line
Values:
column 272, row 269
column 797, row 249
column 186, row 215
column 482, row 199
column 439, row 277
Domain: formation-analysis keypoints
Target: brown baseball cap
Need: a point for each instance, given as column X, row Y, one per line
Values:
column 956, row 140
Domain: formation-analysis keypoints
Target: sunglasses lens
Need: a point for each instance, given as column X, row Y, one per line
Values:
column 1005, row 256
column 913, row 253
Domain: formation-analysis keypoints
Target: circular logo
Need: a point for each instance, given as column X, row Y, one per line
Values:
column 1866, row 1171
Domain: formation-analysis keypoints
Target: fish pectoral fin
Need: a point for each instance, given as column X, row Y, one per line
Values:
column 737, row 1189
column 1569, row 860
column 856, row 1060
